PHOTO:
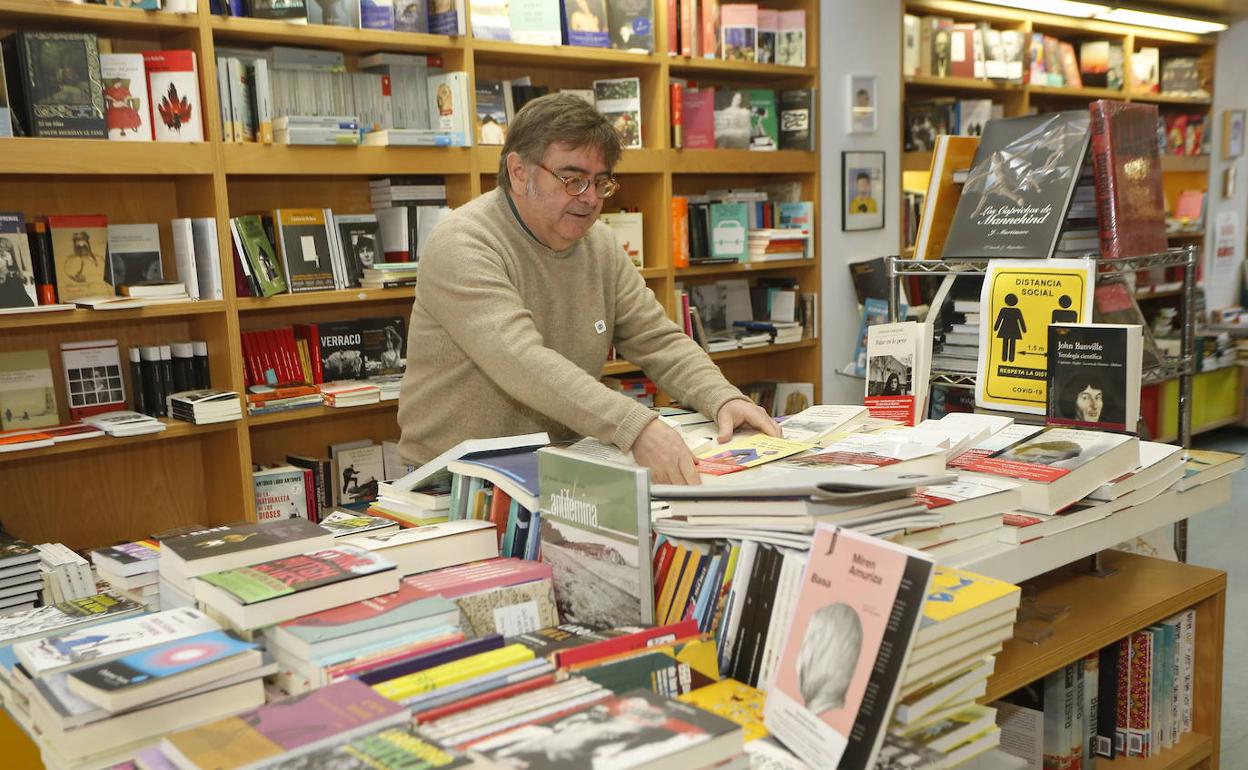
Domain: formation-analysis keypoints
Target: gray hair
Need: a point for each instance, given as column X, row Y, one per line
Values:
column 557, row 119
column 828, row 657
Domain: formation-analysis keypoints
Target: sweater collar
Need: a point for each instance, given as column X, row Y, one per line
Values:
column 515, row 213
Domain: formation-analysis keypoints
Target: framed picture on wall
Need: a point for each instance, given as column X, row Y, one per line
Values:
column 862, row 102
column 1232, row 134
column 862, row 190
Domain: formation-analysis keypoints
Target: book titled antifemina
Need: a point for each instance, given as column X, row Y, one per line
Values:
column 595, row 520
column 857, row 613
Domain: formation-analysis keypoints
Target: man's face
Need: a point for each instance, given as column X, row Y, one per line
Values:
column 556, row 218
column 864, row 187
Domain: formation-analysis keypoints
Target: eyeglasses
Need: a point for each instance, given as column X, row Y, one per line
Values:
column 576, row 185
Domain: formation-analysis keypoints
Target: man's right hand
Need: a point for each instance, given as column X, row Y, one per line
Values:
column 661, row 449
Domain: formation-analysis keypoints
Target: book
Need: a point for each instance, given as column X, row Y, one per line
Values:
column 595, row 531
column 733, row 701
column 897, row 371
column 746, row 451
column 42, row 621
column 951, row 154
column 729, row 225
column 739, row 32
column 846, row 646
column 280, row 493
column 239, row 545
column 1146, row 70
column 173, row 82
column 80, row 250
column 1130, row 207
column 434, row 546
column 280, row 589
column 253, row 245
column 27, row 392
column 303, row 244
column 1058, row 466
column 492, row 114
column 733, row 119
column 698, row 112
column 1019, row 187
column 629, row 233
column 449, row 106
column 587, row 24
column 791, row 38
column 59, row 89
column 797, row 119
column 127, row 108
column 632, row 24
column 535, row 22
column 764, row 130
column 1114, row 303
column 134, row 255
column 1019, row 299
column 337, row 13
column 285, row 728
column 619, row 100
column 1094, row 375
column 17, row 274
column 361, row 248
column 93, row 378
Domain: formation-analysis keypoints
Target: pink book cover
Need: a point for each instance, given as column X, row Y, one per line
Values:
column 465, row 579
column 699, row 115
column 402, row 605
column 341, row 708
column 857, row 612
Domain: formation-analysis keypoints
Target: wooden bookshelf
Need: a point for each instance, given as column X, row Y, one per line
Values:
column 1141, row 592
column 203, row 473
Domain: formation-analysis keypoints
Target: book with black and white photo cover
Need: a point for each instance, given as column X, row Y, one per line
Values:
column 383, row 343
column 1058, row 466
column 17, row 271
column 632, row 24
column 855, row 620
column 898, row 366
column 361, row 244
column 134, row 255
column 619, row 100
column 595, row 520
column 1019, row 187
column 1094, row 376
column 27, row 392
column 93, row 379
column 359, row 471
column 303, row 245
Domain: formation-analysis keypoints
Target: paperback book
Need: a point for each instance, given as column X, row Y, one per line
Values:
column 127, row 108
column 1094, row 376
column 303, row 244
column 27, row 392
column 898, row 366
column 619, row 100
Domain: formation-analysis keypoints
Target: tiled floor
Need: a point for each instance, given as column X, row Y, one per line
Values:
column 1219, row 539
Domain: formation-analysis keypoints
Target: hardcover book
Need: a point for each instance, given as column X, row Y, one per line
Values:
column 17, row 273
column 93, row 379
column 1094, row 376
column 1019, row 187
column 587, row 24
column 59, row 91
column 619, row 100
column 173, row 83
column 286, row 728
column 1130, row 207
column 303, row 243
column 80, row 249
column 134, row 255
column 632, row 24
column 845, row 652
column 27, row 392
column 595, row 520
column 127, row 108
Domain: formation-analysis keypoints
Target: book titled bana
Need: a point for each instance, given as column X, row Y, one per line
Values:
column 857, row 614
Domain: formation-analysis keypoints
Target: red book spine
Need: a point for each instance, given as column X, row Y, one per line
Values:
column 249, row 363
column 688, row 23
column 500, row 504
column 709, row 41
column 662, row 565
column 434, row 714
column 290, row 357
column 684, row 313
column 680, row 231
column 673, row 16
column 309, row 493
column 678, row 115
column 614, row 646
column 310, row 333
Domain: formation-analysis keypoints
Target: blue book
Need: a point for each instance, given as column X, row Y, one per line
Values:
column 513, row 470
column 874, row 311
column 509, row 534
column 375, row 15
column 432, row 658
column 533, row 546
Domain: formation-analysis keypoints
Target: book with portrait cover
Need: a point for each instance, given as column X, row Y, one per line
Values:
column 361, row 244
column 126, row 103
column 1130, row 207
column 80, row 250
column 595, row 535
column 1019, row 187
column 840, row 671
column 1094, row 376
column 303, row 244
column 58, row 90
column 17, row 273
column 632, row 24
column 587, row 23
column 898, row 364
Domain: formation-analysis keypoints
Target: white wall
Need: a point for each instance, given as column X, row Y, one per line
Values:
column 1230, row 92
column 855, row 37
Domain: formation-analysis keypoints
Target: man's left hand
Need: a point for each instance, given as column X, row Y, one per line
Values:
column 738, row 412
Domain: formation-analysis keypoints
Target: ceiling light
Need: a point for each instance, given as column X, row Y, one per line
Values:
column 1161, row 21
column 1060, row 7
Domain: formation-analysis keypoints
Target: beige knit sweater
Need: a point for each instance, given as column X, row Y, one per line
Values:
column 508, row 337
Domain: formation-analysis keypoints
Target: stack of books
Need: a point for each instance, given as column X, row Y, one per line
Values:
column 345, row 524
column 389, row 275
column 767, row 244
column 959, row 350
column 20, row 576
column 205, row 406
column 66, row 575
column 131, row 570
column 350, row 393
column 124, row 423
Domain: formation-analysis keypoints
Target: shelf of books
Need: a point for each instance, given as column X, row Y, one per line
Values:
column 237, row 156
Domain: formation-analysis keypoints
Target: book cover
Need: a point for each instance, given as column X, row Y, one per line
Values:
column 1130, row 207
column 490, row 19
column 341, row 355
column 1094, row 376
column 1019, row 300
column 27, row 392
column 1050, row 454
column 134, row 255
column 303, row 243
column 491, row 112
column 345, row 709
column 406, row 605
column 291, row 11
column 896, row 382
column 383, row 344
column 59, row 90
column 619, row 100
column 336, row 13
column 535, row 22
column 587, row 24
column 632, row 24
column 376, row 14
column 93, row 379
column 411, row 15
column 1139, row 694
column 745, row 452
column 733, row 119
column 955, row 593
column 361, row 246
column 393, row 747
column 260, row 255
column 127, row 108
column 729, row 224
column 1019, row 187
column 791, row 38
column 635, row 729
column 17, row 269
column 159, row 661
column 54, row 653
column 764, row 130
column 173, row 83
column 595, row 534
column 128, row 558
column 295, row 574
column 629, row 233
column 739, row 32
column 797, row 120
column 27, row 623
column 280, row 493
column 851, row 630
column 1146, row 70
column 360, row 470
column 80, row 250
column 449, row 105
column 241, row 538
column 951, row 154
column 698, row 105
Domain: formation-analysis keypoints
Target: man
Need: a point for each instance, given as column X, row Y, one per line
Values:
column 862, row 202
column 520, row 296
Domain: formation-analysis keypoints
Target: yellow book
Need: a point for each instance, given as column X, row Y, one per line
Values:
column 734, row 701
column 680, row 599
column 952, row 153
column 746, row 452
column 456, row 671
column 957, row 600
column 664, row 605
